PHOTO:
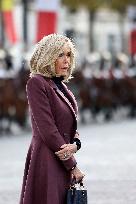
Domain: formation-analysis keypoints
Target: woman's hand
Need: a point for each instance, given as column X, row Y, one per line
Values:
column 67, row 151
column 77, row 174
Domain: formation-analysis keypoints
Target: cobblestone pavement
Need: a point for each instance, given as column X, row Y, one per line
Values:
column 107, row 157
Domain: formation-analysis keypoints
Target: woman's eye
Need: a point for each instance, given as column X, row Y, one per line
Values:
column 61, row 54
column 69, row 54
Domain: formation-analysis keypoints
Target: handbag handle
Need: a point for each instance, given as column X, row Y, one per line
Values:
column 74, row 182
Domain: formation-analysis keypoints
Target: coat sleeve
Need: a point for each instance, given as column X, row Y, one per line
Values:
column 44, row 120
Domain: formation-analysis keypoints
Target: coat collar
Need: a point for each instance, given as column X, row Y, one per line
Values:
column 60, row 94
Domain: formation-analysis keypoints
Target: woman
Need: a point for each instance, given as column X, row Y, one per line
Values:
column 50, row 163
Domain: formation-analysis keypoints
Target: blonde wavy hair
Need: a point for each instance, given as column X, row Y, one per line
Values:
column 46, row 53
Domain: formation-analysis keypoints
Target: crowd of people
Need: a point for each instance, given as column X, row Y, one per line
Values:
column 105, row 84
column 102, row 84
column 13, row 103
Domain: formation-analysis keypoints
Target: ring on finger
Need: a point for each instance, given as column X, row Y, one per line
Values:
column 65, row 155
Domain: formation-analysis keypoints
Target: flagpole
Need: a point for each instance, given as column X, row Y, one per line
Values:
column 25, row 25
column 2, row 36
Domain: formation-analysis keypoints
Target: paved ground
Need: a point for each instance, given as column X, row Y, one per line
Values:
column 107, row 157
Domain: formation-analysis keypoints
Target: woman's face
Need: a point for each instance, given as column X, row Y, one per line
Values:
column 62, row 63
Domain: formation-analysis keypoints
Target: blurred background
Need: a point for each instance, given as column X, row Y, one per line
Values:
column 104, row 84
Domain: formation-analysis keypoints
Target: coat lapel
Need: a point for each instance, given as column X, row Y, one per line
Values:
column 72, row 98
column 62, row 96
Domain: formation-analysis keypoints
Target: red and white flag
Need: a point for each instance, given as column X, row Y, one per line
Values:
column 7, row 10
column 133, row 42
column 46, row 17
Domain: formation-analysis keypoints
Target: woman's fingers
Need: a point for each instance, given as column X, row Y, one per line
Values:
column 70, row 148
column 63, row 146
column 66, row 152
column 62, row 152
column 64, row 156
column 78, row 175
column 80, row 178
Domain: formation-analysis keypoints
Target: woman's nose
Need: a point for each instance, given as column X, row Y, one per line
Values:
column 66, row 58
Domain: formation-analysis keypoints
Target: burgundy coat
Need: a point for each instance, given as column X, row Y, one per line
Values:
column 54, row 123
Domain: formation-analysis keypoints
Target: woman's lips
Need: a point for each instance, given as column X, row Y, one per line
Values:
column 65, row 68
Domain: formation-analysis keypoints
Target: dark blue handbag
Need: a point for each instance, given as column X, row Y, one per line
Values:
column 77, row 194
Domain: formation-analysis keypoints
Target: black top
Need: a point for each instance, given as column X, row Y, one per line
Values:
column 58, row 82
